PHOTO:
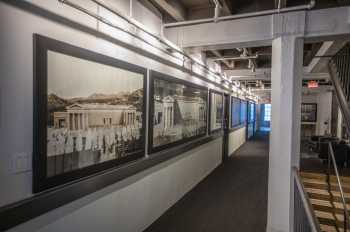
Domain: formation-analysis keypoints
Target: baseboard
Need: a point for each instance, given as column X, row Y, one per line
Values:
column 271, row 229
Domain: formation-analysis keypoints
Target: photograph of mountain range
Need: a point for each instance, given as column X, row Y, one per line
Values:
column 94, row 113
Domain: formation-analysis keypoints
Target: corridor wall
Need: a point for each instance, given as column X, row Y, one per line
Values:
column 236, row 139
column 129, row 205
column 323, row 98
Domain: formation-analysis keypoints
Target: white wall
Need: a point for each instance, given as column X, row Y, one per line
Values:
column 323, row 98
column 129, row 205
column 134, row 203
column 236, row 139
column 17, row 28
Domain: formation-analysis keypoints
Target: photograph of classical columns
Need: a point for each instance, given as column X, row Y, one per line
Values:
column 94, row 113
column 180, row 112
column 216, row 110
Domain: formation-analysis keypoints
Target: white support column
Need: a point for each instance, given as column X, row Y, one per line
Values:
column 287, row 58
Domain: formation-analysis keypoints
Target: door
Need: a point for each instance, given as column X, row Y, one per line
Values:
column 226, row 122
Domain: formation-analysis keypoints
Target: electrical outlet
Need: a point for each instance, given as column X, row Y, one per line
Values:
column 21, row 163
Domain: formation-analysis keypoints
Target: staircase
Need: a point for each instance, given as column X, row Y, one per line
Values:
column 322, row 201
column 327, row 205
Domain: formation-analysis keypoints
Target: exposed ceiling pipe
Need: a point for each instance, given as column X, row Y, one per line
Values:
column 261, row 89
column 142, row 28
column 109, row 23
column 139, row 26
column 217, row 10
column 236, row 58
column 279, row 4
column 246, row 15
column 245, row 52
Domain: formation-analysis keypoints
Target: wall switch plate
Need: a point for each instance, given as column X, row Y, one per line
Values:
column 21, row 163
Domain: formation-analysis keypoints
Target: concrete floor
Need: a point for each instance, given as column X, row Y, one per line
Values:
column 232, row 198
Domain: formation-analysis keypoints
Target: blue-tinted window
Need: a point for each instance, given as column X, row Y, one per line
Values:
column 267, row 112
column 235, row 111
column 243, row 119
column 251, row 112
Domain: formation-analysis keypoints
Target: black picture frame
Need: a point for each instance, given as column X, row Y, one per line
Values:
column 251, row 111
column 244, row 112
column 309, row 116
column 153, row 75
column 41, row 46
column 233, row 123
column 212, row 92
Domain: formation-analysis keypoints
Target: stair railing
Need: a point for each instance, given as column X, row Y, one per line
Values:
column 340, row 93
column 331, row 159
column 305, row 219
column 339, row 72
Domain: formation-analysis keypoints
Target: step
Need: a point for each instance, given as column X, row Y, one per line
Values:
column 328, row 218
column 325, row 218
column 322, row 194
column 320, row 176
column 328, row 228
column 326, row 205
column 322, row 184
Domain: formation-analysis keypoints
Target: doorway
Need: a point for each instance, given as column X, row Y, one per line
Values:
column 265, row 117
column 226, row 127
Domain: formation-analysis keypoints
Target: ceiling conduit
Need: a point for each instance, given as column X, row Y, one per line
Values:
column 141, row 27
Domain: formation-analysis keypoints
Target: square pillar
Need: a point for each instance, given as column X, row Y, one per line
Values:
column 286, row 77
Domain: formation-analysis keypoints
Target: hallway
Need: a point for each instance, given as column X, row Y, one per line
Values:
column 232, row 198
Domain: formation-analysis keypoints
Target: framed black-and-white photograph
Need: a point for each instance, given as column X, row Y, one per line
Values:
column 178, row 111
column 244, row 112
column 89, row 112
column 235, row 112
column 216, row 111
column 308, row 112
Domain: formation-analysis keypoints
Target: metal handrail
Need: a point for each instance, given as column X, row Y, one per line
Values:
column 310, row 214
column 331, row 156
column 340, row 96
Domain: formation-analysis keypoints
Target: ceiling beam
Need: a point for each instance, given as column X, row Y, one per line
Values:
column 328, row 48
column 151, row 7
column 319, row 25
column 172, row 8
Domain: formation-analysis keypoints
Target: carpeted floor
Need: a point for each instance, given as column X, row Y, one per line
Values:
column 232, row 198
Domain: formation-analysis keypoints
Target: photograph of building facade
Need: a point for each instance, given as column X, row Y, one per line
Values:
column 216, row 111
column 180, row 112
column 90, row 123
